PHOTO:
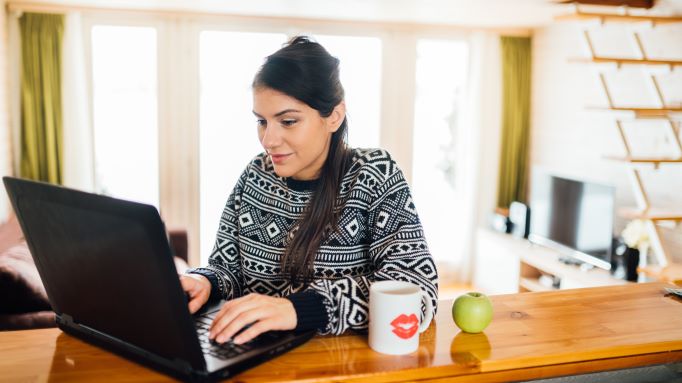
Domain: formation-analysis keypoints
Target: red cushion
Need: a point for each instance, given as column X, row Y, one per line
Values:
column 21, row 289
column 10, row 233
column 37, row 319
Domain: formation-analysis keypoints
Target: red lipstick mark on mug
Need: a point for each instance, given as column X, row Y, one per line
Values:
column 405, row 326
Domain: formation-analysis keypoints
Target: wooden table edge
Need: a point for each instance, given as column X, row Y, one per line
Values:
column 444, row 373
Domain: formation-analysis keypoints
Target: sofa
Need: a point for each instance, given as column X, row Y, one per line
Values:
column 23, row 301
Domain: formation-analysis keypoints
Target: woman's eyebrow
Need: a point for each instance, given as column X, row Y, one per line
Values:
column 285, row 111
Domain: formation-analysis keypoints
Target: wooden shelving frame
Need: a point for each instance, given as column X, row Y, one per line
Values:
column 644, row 113
column 620, row 61
column 622, row 17
column 656, row 161
column 670, row 114
column 651, row 214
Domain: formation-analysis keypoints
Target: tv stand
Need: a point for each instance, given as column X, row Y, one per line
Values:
column 573, row 261
column 539, row 268
column 568, row 260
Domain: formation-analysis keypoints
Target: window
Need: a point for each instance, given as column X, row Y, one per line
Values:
column 361, row 77
column 228, row 136
column 440, row 81
column 124, row 76
column 205, row 73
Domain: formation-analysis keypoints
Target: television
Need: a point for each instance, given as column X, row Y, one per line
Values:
column 574, row 217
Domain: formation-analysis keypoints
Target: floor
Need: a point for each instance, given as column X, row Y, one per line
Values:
column 452, row 291
column 668, row 373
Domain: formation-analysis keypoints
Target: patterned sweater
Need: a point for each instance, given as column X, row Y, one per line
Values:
column 379, row 237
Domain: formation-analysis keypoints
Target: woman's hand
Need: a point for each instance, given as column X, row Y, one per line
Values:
column 198, row 288
column 265, row 312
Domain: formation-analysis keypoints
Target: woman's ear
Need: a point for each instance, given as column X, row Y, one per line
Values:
column 335, row 119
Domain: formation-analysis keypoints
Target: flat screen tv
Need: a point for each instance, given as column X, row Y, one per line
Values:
column 574, row 217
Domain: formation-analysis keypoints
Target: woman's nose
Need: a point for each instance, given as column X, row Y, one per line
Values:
column 270, row 137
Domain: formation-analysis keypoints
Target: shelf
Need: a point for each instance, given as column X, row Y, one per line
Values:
column 629, row 61
column 671, row 113
column 651, row 214
column 507, row 264
column 672, row 273
column 646, row 160
column 619, row 17
column 533, row 285
column 644, row 113
column 536, row 261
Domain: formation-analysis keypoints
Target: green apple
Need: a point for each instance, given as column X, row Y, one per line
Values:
column 472, row 312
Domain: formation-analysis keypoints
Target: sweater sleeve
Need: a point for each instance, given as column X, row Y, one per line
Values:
column 311, row 313
column 398, row 251
column 224, row 266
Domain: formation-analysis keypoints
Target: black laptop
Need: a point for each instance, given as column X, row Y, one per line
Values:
column 108, row 271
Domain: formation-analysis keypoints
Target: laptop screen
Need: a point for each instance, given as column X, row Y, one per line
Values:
column 107, row 264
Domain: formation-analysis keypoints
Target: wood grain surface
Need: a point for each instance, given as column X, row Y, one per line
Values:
column 532, row 335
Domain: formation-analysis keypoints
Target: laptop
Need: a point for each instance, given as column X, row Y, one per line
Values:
column 109, row 274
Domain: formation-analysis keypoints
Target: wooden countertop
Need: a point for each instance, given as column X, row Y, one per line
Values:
column 532, row 335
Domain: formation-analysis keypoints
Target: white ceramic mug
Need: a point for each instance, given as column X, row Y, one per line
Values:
column 394, row 311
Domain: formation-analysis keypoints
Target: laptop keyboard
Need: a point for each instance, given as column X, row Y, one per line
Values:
column 225, row 350
column 228, row 349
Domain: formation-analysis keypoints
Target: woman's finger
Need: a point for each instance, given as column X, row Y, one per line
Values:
column 197, row 294
column 229, row 304
column 228, row 314
column 241, row 320
column 195, row 304
column 256, row 329
column 188, row 284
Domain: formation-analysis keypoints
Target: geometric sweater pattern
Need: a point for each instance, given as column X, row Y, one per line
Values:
column 378, row 237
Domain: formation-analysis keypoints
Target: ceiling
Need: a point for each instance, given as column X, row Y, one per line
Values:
column 467, row 13
column 482, row 13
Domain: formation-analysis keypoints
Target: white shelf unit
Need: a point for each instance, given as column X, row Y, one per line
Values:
column 670, row 114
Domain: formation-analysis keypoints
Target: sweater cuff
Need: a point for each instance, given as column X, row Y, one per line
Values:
column 310, row 310
column 216, row 290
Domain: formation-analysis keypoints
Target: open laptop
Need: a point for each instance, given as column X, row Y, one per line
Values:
column 108, row 271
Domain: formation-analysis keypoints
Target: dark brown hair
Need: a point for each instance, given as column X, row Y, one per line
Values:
column 304, row 70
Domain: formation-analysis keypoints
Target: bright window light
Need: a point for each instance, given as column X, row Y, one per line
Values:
column 125, row 112
column 361, row 78
column 228, row 136
column 440, row 82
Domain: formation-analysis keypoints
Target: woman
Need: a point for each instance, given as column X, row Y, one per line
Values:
column 311, row 223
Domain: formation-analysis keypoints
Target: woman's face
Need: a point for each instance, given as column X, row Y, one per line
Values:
column 294, row 135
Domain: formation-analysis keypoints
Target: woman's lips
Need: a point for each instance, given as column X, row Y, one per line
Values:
column 405, row 326
column 279, row 158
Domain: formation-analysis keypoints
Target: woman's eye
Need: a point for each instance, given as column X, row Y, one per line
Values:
column 261, row 123
column 289, row 122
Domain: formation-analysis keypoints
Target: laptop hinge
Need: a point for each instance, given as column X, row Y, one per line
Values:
column 182, row 364
column 66, row 320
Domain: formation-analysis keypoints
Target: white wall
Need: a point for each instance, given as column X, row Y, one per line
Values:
column 570, row 139
column 5, row 139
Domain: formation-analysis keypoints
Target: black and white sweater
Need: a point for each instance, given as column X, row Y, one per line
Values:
column 380, row 237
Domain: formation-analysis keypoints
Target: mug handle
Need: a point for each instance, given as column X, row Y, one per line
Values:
column 429, row 312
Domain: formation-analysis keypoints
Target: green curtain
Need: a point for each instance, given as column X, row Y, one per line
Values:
column 516, row 65
column 41, row 99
